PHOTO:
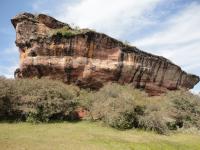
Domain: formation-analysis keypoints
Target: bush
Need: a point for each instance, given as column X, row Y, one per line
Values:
column 5, row 94
column 37, row 100
column 123, row 107
column 67, row 32
column 119, row 106
column 115, row 105
column 185, row 109
column 153, row 121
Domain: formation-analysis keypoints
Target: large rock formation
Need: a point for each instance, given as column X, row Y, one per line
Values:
column 50, row 48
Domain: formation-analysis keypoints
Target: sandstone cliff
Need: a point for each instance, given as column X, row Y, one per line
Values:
column 50, row 48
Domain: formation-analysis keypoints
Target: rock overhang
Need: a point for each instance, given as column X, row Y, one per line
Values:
column 90, row 59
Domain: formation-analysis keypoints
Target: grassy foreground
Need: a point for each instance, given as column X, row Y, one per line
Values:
column 88, row 136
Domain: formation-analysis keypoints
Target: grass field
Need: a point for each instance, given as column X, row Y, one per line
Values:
column 88, row 136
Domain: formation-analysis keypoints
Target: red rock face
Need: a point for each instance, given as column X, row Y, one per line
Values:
column 90, row 59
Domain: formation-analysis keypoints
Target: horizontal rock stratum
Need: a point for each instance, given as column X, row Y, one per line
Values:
column 52, row 49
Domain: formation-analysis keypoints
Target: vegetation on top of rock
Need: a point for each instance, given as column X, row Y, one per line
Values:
column 68, row 32
column 121, row 107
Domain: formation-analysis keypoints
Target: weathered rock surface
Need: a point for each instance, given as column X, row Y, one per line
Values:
column 90, row 59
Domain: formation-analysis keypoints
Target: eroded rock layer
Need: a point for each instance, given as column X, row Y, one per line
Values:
column 50, row 48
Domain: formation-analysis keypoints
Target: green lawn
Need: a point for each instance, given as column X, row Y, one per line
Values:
column 88, row 136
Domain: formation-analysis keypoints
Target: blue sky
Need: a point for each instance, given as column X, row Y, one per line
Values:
column 170, row 28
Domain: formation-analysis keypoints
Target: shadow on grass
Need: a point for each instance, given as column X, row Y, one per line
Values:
column 12, row 121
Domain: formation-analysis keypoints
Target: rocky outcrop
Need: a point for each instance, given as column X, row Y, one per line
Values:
column 50, row 48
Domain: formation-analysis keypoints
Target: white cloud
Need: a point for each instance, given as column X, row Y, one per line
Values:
column 114, row 17
column 8, row 71
column 179, row 29
column 178, row 39
column 9, row 62
column 37, row 5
